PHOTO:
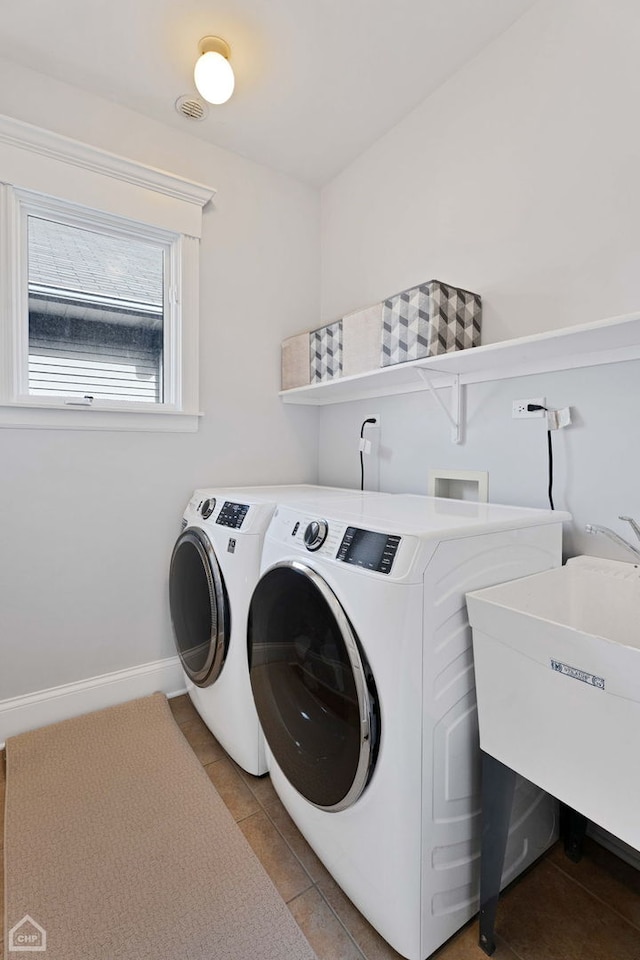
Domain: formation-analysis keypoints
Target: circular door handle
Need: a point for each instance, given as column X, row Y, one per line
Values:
column 316, row 534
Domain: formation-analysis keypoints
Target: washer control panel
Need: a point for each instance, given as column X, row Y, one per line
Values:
column 368, row 549
column 232, row 514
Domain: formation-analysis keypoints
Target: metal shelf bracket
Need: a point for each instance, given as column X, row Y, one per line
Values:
column 453, row 413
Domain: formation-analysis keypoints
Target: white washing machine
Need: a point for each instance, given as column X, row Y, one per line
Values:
column 214, row 567
column 362, row 674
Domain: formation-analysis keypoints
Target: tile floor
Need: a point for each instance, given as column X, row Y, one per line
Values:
column 558, row 911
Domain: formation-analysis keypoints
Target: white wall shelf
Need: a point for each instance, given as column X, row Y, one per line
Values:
column 604, row 341
column 585, row 345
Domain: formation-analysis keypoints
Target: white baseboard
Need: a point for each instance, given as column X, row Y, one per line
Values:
column 614, row 845
column 19, row 714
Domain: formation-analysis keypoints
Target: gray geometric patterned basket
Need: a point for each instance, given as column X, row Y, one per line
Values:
column 429, row 319
column 325, row 352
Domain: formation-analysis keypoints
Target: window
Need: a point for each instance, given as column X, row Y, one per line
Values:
column 96, row 314
column 99, row 306
column 99, row 310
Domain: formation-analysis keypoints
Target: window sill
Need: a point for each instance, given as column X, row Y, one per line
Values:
column 50, row 417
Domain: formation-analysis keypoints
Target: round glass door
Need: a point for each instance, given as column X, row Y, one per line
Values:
column 312, row 687
column 199, row 607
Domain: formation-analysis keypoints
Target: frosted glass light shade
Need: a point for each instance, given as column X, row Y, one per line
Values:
column 214, row 77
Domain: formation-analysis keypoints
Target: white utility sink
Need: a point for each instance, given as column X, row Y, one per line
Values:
column 557, row 661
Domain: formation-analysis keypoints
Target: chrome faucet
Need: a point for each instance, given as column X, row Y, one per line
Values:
column 634, row 526
column 594, row 528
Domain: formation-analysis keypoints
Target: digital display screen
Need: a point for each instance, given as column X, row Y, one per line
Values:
column 365, row 548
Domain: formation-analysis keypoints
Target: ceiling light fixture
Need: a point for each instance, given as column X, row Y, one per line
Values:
column 213, row 74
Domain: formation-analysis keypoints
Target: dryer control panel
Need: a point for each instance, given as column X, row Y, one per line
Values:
column 362, row 545
column 368, row 549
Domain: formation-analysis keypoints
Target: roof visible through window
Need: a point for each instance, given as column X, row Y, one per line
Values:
column 82, row 261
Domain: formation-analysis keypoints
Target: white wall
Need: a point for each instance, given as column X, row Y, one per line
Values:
column 88, row 519
column 519, row 179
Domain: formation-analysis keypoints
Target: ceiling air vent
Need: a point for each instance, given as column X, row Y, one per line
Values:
column 192, row 108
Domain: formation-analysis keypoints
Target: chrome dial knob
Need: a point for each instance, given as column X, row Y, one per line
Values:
column 315, row 534
column 208, row 507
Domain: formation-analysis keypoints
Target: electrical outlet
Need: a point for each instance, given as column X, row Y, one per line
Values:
column 519, row 410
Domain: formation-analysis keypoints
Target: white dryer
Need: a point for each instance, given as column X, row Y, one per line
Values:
column 214, row 567
column 361, row 669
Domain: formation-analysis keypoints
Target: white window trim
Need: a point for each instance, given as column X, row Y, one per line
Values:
column 70, row 175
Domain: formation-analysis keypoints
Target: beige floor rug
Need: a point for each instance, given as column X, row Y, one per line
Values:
column 118, row 847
